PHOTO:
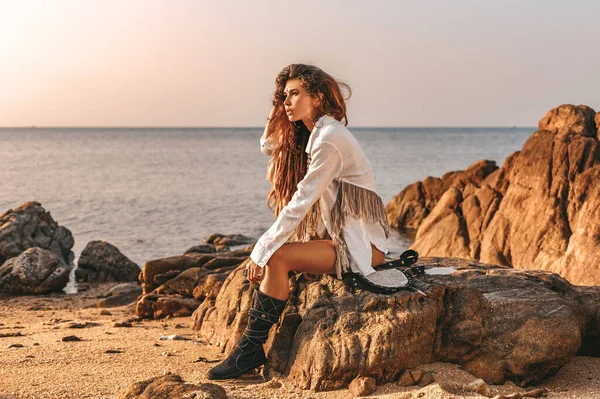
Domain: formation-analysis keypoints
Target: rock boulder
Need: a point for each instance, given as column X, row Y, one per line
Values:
column 500, row 324
column 30, row 226
column 541, row 210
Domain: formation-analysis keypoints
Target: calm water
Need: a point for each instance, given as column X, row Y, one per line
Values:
column 156, row 192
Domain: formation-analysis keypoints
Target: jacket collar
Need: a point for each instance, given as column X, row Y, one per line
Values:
column 319, row 124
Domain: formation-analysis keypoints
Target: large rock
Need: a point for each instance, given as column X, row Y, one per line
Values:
column 30, row 226
column 101, row 262
column 36, row 271
column 498, row 323
column 540, row 210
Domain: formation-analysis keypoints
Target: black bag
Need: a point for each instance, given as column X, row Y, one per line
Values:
column 389, row 277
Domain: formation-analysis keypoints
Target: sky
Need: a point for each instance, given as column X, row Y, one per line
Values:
column 207, row 63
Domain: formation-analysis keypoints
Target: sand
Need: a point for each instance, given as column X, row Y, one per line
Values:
column 47, row 367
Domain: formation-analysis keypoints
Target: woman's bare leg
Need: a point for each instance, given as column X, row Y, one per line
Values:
column 316, row 257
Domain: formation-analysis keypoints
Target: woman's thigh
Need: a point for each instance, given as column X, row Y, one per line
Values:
column 317, row 257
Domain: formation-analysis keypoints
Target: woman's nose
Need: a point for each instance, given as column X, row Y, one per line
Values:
column 287, row 101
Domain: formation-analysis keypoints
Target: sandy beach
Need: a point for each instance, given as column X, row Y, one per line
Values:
column 45, row 366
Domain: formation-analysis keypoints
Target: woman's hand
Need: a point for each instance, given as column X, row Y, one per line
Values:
column 254, row 272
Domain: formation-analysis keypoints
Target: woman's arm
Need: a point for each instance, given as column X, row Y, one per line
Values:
column 326, row 164
column 268, row 142
column 266, row 133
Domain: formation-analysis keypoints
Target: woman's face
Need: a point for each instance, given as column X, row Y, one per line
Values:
column 298, row 104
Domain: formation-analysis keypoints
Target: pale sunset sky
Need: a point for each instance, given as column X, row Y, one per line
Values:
column 212, row 63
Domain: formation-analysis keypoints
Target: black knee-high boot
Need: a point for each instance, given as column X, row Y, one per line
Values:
column 248, row 352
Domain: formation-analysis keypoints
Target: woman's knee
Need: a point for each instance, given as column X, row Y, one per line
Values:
column 276, row 262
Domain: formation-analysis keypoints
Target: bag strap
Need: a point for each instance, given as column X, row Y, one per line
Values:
column 407, row 258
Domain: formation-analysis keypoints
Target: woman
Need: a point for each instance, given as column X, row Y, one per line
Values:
column 330, row 220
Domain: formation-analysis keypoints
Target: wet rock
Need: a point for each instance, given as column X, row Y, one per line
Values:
column 171, row 386
column 35, row 271
column 101, row 261
column 229, row 240
column 30, row 226
column 120, row 295
column 201, row 249
column 363, row 386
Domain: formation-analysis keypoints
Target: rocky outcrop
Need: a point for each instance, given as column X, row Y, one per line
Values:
column 101, row 262
column 178, row 285
column 498, row 323
column 30, row 226
column 35, row 271
column 540, row 210
column 415, row 202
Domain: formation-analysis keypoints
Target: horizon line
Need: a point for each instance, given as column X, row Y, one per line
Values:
column 262, row 127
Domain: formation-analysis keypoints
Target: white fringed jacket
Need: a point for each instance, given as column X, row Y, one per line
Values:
column 337, row 196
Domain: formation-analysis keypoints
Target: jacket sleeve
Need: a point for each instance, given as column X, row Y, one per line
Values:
column 268, row 145
column 325, row 166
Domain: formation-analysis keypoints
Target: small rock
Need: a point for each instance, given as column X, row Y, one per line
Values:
column 363, row 386
column 180, row 325
column 167, row 353
column 105, row 312
column 204, row 360
column 173, row 337
column 426, row 379
column 273, row 384
column 480, row 387
column 16, row 346
column 113, row 351
column 534, row 393
column 513, row 396
column 17, row 334
column 212, row 391
column 416, row 375
column 70, row 338
column 122, row 324
column 81, row 325
column 406, row 379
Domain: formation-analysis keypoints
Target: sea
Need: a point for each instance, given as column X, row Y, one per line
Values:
column 155, row 192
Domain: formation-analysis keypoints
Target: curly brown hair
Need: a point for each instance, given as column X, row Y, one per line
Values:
column 288, row 165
